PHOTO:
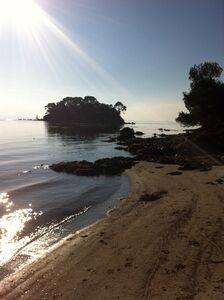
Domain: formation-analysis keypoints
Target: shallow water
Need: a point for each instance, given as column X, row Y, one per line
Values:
column 39, row 207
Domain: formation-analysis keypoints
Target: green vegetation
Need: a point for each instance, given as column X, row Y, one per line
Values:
column 85, row 111
column 205, row 100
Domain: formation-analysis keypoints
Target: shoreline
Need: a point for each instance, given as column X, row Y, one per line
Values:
column 85, row 217
column 142, row 250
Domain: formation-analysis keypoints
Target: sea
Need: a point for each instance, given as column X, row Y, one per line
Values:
column 39, row 208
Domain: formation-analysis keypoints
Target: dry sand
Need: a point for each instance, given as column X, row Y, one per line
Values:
column 172, row 248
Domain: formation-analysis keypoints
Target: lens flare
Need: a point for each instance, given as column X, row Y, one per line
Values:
column 19, row 13
column 31, row 30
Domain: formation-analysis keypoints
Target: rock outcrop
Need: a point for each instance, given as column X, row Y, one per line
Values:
column 106, row 166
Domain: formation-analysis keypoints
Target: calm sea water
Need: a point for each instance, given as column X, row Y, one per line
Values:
column 39, row 207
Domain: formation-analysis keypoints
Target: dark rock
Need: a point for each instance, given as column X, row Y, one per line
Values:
column 135, row 147
column 179, row 149
column 115, row 165
column 126, row 133
column 139, row 133
column 211, row 141
column 75, row 167
column 107, row 166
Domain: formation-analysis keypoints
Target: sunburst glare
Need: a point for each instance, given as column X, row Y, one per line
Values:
column 19, row 13
column 36, row 34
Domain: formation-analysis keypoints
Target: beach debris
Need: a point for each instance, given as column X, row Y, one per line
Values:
column 219, row 181
column 153, row 196
column 175, row 173
column 194, row 243
column 110, row 271
column 103, row 242
column 128, row 264
column 179, row 266
column 84, row 236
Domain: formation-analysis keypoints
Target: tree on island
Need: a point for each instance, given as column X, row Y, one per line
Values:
column 120, row 107
column 205, row 100
column 88, row 110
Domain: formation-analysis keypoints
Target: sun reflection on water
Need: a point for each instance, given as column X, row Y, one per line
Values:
column 17, row 246
column 4, row 200
column 11, row 225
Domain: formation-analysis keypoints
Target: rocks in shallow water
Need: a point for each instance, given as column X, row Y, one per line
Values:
column 106, row 166
column 139, row 133
column 115, row 165
column 126, row 133
column 163, row 129
column 135, row 147
column 75, row 167
column 171, row 149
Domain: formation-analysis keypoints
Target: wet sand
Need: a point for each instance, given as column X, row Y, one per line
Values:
column 171, row 248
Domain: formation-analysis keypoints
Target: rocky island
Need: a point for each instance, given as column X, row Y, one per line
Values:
column 85, row 112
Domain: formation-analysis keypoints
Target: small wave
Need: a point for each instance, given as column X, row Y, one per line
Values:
column 31, row 187
column 31, row 247
column 43, row 167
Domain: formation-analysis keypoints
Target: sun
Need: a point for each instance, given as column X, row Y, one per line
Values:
column 21, row 14
column 26, row 28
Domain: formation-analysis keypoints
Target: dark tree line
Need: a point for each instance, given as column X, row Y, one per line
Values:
column 205, row 100
column 87, row 110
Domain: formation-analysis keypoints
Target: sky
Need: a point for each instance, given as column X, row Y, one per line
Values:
column 137, row 52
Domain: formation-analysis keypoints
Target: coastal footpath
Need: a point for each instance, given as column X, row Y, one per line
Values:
column 165, row 241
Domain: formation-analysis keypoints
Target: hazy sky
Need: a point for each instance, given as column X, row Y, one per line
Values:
column 137, row 52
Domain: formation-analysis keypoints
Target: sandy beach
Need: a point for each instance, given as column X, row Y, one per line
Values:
column 170, row 248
